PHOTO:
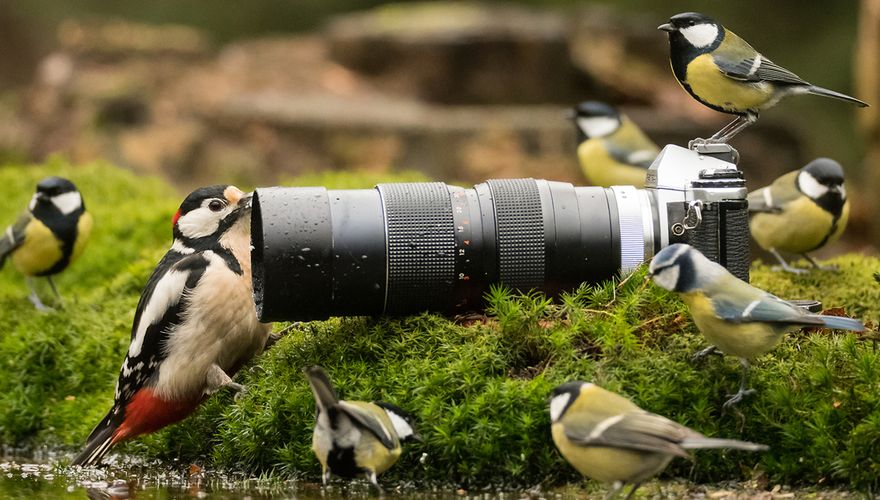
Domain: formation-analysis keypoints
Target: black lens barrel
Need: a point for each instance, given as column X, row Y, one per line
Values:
column 411, row 247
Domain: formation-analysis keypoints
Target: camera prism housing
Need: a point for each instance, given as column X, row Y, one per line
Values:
column 405, row 248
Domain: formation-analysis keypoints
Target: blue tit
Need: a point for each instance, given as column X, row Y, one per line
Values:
column 800, row 212
column 608, row 438
column 355, row 437
column 722, row 71
column 735, row 317
column 612, row 149
column 49, row 236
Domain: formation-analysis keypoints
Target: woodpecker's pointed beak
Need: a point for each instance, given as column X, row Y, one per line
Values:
column 667, row 27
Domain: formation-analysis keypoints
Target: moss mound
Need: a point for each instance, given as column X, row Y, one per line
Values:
column 478, row 390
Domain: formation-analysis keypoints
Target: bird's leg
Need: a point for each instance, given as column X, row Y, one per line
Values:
column 218, row 379
column 785, row 265
column 743, row 392
column 55, row 291
column 830, row 267
column 325, row 476
column 705, row 352
column 615, row 488
column 372, row 476
column 733, row 128
column 632, row 491
column 34, row 297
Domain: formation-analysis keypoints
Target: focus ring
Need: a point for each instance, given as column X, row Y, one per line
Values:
column 520, row 230
column 421, row 245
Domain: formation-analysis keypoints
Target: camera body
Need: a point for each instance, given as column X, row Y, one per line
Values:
column 405, row 248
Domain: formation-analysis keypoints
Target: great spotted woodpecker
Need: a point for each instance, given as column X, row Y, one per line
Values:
column 195, row 324
column 49, row 236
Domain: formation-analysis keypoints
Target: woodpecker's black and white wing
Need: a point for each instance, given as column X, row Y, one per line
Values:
column 640, row 431
column 13, row 236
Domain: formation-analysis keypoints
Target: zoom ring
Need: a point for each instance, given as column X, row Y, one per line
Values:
column 421, row 245
column 520, row 229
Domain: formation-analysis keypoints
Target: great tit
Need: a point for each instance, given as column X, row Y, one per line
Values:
column 49, row 236
column 801, row 211
column 608, row 438
column 612, row 149
column 355, row 437
column 735, row 317
column 195, row 325
column 722, row 71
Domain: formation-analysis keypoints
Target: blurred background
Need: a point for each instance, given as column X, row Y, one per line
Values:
column 255, row 93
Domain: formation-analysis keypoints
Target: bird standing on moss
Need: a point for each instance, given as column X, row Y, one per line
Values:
column 195, row 325
column 608, row 438
column 801, row 211
column 722, row 71
column 737, row 318
column 612, row 149
column 355, row 437
column 49, row 236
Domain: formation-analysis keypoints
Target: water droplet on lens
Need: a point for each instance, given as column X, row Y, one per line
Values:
column 305, row 249
column 363, row 257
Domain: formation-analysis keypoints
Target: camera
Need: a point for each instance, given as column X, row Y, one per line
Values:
column 404, row 248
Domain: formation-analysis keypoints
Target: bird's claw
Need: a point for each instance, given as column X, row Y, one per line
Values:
column 700, row 355
column 790, row 269
column 735, row 399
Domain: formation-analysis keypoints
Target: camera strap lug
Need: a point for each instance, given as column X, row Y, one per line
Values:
column 691, row 220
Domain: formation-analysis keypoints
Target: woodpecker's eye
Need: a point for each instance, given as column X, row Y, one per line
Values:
column 692, row 23
column 215, row 205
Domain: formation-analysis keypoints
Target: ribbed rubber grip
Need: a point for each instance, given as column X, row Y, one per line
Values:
column 520, row 230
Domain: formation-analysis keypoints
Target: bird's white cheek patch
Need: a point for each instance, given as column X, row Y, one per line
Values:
column 597, row 126
column 199, row 223
column 67, row 202
column 167, row 293
column 401, row 426
column 557, row 404
column 667, row 278
column 701, row 35
column 810, row 186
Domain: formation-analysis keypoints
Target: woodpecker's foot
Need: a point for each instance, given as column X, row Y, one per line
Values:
column 272, row 339
column 240, row 390
column 735, row 399
column 699, row 356
column 217, row 379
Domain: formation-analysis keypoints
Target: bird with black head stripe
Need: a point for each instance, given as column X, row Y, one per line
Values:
column 800, row 212
column 612, row 149
column 49, row 236
column 195, row 324
column 722, row 71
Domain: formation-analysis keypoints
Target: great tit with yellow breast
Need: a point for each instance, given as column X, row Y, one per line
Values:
column 735, row 317
column 608, row 438
column 800, row 212
column 612, row 149
column 355, row 437
column 49, row 236
column 722, row 71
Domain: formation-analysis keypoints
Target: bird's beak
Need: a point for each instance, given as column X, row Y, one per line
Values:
column 666, row 27
column 246, row 201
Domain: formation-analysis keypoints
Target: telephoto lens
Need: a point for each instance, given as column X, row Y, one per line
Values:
column 406, row 248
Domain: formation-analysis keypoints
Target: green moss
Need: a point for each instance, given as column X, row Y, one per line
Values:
column 478, row 391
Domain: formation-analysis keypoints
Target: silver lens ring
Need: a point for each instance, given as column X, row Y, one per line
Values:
column 632, row 229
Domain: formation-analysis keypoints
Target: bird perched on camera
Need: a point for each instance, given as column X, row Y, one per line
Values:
column 49, row 236
column 722, row 71
column 195, row 324
column 612, row 149
column 735, row 317
column 355, row 437
column 608, row 438
column 800, row 212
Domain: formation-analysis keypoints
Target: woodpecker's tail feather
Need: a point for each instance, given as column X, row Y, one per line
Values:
column 325, row 396
column 842, row 323
column 98, row 444
column 812, row 89
column 705, row 442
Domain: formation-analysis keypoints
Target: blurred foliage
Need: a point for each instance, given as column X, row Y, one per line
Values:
column 478, row 391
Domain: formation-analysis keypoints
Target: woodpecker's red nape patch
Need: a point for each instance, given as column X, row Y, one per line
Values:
column 147, row 413
column 174, row 219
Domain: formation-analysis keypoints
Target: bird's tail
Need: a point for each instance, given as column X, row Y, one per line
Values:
column 99, row 442
column 325, row 396
column 842, row 323
column 706, row 442
column 812, row 89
